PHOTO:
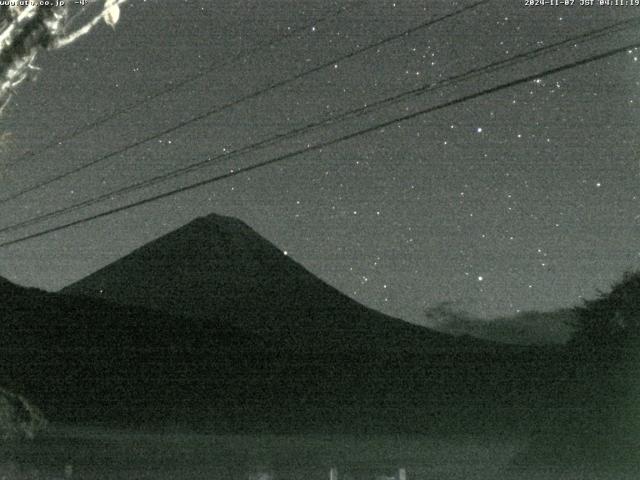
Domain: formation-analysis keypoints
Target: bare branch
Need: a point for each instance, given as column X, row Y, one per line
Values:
column 110, row 14
column 26, row 30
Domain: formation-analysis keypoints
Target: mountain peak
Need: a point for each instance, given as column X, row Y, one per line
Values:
column 215, row 220
column 217, row 266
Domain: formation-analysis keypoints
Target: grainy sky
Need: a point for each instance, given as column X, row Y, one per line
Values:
column 526, row 198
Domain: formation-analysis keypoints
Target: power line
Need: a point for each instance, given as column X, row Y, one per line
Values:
column 250, row 96
column 172, row 87
column 426, row 88
column 328, row 143
column 519, row 58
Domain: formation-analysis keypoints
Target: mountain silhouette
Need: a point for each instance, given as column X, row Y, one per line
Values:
column 218, row 268
column 213, row 328
column 524, row 328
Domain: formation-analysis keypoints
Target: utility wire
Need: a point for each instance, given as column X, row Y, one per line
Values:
column 519, row 58
column 233, row 103
column 172, row 87
column 328, row 143
column 426, row 88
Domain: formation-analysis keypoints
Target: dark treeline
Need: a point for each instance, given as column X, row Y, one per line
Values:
column 599, row 422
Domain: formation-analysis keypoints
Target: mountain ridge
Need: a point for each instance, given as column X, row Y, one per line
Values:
column 213, row 326
column 84, row 360
column 219, row 266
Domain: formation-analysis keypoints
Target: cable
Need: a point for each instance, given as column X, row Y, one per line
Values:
column 171, row 87
column 519, row 58
column 513, row 60
column 233, row 103
column 328, row 143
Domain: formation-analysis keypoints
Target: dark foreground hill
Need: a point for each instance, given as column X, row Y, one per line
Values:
column 85, row 360
column 212, row 327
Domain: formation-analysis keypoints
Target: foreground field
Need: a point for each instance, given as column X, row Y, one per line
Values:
column 108, row 454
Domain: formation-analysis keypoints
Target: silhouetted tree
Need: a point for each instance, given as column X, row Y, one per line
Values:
column 608, row 327
column 598, row 422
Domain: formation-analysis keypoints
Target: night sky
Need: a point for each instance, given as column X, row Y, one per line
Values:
column 526, row 198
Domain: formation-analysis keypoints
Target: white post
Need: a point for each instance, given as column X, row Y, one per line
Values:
column 402, row 474
column 333, row 473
